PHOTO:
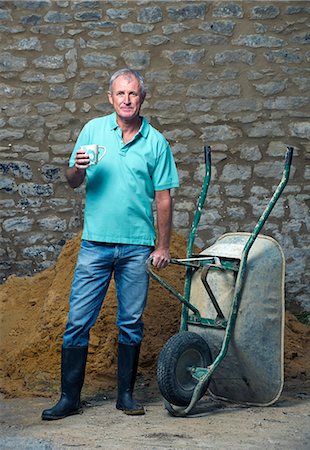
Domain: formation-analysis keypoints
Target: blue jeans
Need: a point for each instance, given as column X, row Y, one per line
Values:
column 95, row 266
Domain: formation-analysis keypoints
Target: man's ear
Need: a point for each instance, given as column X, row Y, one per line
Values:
column 110, row 97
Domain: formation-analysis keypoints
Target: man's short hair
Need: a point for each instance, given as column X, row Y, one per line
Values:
column 130, row 73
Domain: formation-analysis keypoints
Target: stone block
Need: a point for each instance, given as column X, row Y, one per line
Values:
column 177, row 134
column 157, row 40
column 266, row 129
column 33, row 19
column 287, row 102
column 11, row 134
column 32, row 4
column 220, row 133
column 52, row 223
column 229, row 9
column 10, row 91
column 136, row 28
column 32, row 76
column 250, row 152
column 114, row 13
column 5, row 14
column 233, row 172
column 139, row 59
column 17, row 224
column 302, row 38
column 18, row 169
column 99, row 60
column 204, row 39
column 32, row 43
column 190, row 11
column 58, row 92
column 225, row 27
column 285, row 56
column 236, row 212
column 95, row 27
column 271, row 88
column 49, row 62
column 180, row 57
column 26, row 121
column 201, row 105
column 235, row 56
column 88, row 16
column 37, row 135
column 11, row 63
column 258, row 40
column 180, row 219
column 29, row 203
column 300, row 129
column 150, row 14
column 8, row 185
column 52, row 174
column 47, row 108
column 54, row 30
column 57, row 17
column 64, row 43
column 265, row 12
column 213, row 89
column 14, row 107
column 86, row 89
column 236, row 105
column 33, row 189
column 174, row 28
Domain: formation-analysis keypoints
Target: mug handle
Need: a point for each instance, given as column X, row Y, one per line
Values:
column 104, row 152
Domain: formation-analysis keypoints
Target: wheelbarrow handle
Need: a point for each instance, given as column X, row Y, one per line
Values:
column 207, row 152
column 250, row 242
column 170, row 288
column 273, row 200
column 193, row 231
column 289, row 156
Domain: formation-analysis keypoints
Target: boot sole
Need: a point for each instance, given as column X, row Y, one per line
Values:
column 131, row 412
column 72, row 413
column 136, row 412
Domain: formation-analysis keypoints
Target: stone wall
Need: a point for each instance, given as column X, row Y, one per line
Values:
column 234, row 75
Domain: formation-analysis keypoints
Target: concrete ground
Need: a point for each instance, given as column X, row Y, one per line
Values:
column 213, row 425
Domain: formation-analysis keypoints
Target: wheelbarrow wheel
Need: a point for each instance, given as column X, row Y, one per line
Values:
column 181, row 353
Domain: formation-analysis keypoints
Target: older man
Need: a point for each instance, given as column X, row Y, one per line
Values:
column 137, row 168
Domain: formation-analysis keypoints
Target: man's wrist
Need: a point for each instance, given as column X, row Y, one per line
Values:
column 78, row 170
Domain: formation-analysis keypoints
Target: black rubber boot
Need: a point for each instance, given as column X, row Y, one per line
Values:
column 73, row 362
column 128, row 357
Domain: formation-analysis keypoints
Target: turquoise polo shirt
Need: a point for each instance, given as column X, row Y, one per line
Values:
column 120, row 189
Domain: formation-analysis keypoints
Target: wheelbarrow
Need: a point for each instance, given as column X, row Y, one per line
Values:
column 231, row 338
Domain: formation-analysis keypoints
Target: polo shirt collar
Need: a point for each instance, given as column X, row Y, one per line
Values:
column 144, row 129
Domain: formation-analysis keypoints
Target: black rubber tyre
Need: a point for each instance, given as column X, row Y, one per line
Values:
column 180, row 353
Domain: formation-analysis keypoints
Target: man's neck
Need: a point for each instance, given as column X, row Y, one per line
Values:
column 129, row 128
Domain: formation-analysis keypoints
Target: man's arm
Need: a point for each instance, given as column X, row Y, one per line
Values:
column 75, row 175
column 161, row 254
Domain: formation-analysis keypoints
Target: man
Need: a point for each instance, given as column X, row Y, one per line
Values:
column 118, row 236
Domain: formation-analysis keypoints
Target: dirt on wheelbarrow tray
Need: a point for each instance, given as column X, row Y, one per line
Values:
column 33, row 312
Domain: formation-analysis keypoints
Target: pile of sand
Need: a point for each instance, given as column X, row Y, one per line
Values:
column 34, row 311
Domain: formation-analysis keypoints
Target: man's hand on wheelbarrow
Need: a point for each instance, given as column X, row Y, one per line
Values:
column 160, row 258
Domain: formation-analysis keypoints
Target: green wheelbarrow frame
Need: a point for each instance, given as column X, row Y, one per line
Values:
column 190, row 314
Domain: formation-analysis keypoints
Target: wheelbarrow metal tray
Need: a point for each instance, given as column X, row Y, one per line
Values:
column 252, row 370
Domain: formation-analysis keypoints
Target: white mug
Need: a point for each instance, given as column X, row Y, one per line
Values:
column 93, row 152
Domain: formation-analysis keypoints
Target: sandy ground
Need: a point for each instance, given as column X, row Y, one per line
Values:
column 213, row 425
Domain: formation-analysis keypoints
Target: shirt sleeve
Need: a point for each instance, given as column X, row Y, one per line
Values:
column 165, row 175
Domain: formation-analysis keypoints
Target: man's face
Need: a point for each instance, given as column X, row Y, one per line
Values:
column 126, row 97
